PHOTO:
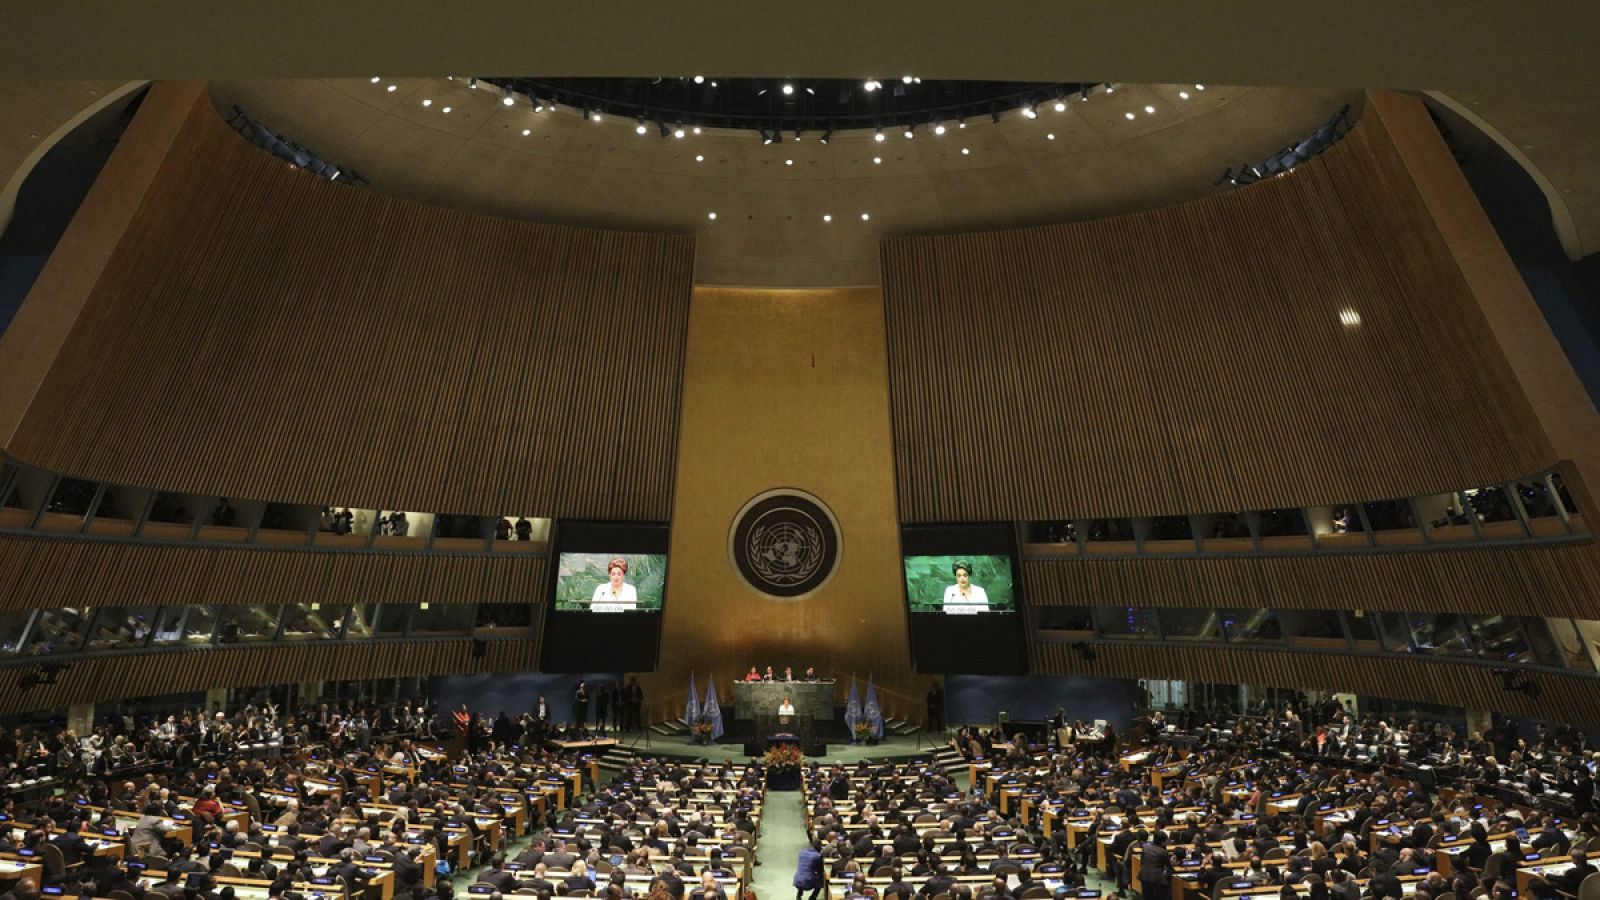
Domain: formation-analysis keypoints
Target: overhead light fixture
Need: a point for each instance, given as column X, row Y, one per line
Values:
column 788, row 90
column 678, row 132
column 1183, row 95
column 427, row 102
column 827, row 218
column 391, row 88
column 1149, row 110
column 865, row 217
column 1129, row 116
column 827, row 135
column 906, row 79
column 507, row 100
column 1061, row 106
column 1199, row 87
column 527, row 131
column 878, row 136
column 1111, row 88
column 766, row 138
column 446, row 110
column 909, row 133
column 1083, row 95
column 639, row 128
column 376, row 79
column 472, row 83
column 1050, row 137
column 965, row 151
column 598, row 116
column 699, row 79
column 788, row 162
column 699, row 157
column 711, row 216
column 1028, row 112
column 697, row 129
column 938, row 128
column 877, row 160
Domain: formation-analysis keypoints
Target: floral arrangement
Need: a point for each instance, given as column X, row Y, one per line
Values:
column 785, row 758
column 863, row 732
column 702, row 730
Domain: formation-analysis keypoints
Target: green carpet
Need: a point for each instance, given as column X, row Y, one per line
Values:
column 783, row 833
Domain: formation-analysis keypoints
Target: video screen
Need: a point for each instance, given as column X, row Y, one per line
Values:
column 610, row 582
column 603, row 575
column 959, row 584
column 963, row 598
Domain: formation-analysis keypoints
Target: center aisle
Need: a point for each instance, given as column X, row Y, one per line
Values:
column 783, row 833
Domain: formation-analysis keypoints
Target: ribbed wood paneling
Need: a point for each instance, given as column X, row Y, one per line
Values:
column 1564, row 698
column 52, row 572
column 264, row 333
column 154, row 674
column 1561, row 580
column 1192, row 359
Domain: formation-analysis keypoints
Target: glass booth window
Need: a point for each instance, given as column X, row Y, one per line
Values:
column 1390, row 515
column 72, row 496
column 1190, row 624
column 1393, row 630
column 190, row 624
column 1443, row 634
column 13, row 623
column 313, row 621
column 1110, row 530
column 244, row 624
column 1315, row 625
column 1490, row 504
column 442, row 618
column 1565, row 495
column 170, row 507
column 1259, row 626
column 58, row 630
column 1499, row 638
column 1126, row 622
column 394, row 618
column 504, row 615
column 361, row 621
column 1537, row 501
column 1064, row 618
column 122, row 627
column 1170, row 528
column 1363, row 628
column 1282, row 522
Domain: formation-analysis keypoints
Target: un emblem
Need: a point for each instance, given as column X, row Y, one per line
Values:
column 785, row 543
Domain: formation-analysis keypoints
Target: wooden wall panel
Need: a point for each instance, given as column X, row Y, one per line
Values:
column 1561, row 580
column 265, row 333
column 155, row 674
column 1564, row 698
column 1192, row 359
column 51, row 572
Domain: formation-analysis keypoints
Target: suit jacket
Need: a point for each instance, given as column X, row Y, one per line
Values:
column 503, row 881
column 1156, row 867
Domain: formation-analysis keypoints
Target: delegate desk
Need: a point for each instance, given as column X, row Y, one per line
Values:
column 810, row 698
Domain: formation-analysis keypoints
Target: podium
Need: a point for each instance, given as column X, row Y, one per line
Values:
column 797, row 729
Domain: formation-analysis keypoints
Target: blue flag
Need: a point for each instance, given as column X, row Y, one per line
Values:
column 691, row 711
column 852, row 709
column 872, row 713
column 712, row 709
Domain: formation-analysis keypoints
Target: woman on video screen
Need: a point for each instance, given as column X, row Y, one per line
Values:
column 616, row 594
column 964, row 596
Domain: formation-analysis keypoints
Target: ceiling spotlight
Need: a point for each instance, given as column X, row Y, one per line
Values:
column 427, row 103
column 446, row 110
column 909, row 133
column 827, row 135
column 598, row 116
column 877, row 160
column 766, row 138
column 879, row 135
column 938, row 128
column 865, row 217
column 871, row 85
column 1083, row 95
column 965, row 151
column 1050, row 137
column 391, row 88
column 678, row 132
column 1061, row 106
column 697, row 129
column 788, row 90
column 788, row 162
column 1111, row 89
column 527, row 131
column 538, row 106
column 1183, row 95
column 472, row 83
column 905, row 79
column 1028, row 113
column 711, row 216
column 811, row 91
column 376, row 79
column 699, row 79
column 1129, row 116
column 507, row 100
column 1199, row 87
column 639, row 128
column 699, row 157
column 1149, row 110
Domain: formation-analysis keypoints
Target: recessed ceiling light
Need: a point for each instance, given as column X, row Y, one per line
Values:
column 1111, row 89
column 788, row 89
column 1061, row 106
column 1129, row 116
column 699, row 158
column 711, row 216
column 879, row 135
column 910, row 134
column 1199, row 87
column 597, row 115
column 376, row 79
column 677, row 133
column 1028, row 113
column 965, row 151
column 527, row 131
column 905, row 79
column 1149, row 110
column 865, row 217
column 639, row 128
column 697, row 129
column 699, row 79
column 1050, row 137
column 877, row 160
column 1183, row 95
column 391, row 88
column 427, row 103
column 939, row 128
column 445, row 110
column 507, row 100
column 788, row 162
column 827, row 218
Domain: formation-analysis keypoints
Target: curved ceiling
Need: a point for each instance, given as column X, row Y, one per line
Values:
column 1088, row 161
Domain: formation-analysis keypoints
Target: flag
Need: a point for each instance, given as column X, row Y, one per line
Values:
column 852, row 709
column 713, row 710
column 872, row 713
column 691, row 710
